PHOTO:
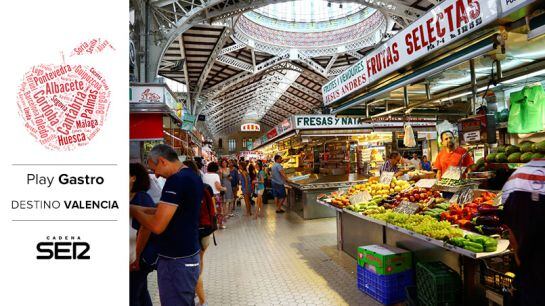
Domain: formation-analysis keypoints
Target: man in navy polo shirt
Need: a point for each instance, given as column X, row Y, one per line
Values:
column 176, row 222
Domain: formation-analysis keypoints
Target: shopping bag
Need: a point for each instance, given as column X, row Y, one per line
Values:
column 514, row 124
column 527, row 110
column 532, row 108
column 408, row 139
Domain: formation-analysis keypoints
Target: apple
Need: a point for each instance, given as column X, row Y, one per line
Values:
column 416, row 197
column 63, row 105
column 411, row 198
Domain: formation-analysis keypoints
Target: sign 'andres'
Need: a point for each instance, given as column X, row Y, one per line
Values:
column 64, row 106
column 444, row 24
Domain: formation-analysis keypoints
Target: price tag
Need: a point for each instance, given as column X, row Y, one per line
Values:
column 425, row 183
column 360, row 197
column 453, row 173
column 386, row 177
column 407, row 207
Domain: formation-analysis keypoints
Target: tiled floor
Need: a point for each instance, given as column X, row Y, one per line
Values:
column 278, row 260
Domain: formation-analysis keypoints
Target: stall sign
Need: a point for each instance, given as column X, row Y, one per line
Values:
column 188, row 122
column 146, row 94
column 399, row 122
column 472, row 136
column 303, row 122
column 442, row 25
column 250, row 127
column 272, row 133
column 284, row 126
column 508, row 6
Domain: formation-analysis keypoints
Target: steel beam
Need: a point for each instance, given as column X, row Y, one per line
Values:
column 307, row 91
column 211, row 59
column 232, row 48
column 355, row 54
column 231, row 61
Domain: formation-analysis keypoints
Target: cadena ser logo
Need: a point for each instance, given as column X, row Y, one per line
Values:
column 59, row 247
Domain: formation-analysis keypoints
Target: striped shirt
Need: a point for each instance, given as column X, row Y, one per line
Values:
column 389, row 167
column 528, row 178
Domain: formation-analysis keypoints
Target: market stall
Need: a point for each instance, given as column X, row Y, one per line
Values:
column 156, row 116
column 479, row 77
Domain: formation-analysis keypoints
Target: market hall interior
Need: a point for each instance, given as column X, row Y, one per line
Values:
column 354, row 152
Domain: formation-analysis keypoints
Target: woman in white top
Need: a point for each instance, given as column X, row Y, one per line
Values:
column 212, row 178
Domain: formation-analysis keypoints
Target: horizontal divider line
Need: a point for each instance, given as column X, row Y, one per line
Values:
column 71, row 220
column 64, row 164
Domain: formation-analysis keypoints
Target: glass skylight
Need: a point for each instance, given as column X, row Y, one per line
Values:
column 309, row 10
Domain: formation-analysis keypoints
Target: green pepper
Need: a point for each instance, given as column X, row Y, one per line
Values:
column 458, row 241
column 490, row 245
column 490, row 248
column 443, row 206
column 477, row 239
column 473, row 247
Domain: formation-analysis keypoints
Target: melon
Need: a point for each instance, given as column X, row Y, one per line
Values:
column 511, row 149
column 501, row 158
column 537, row 155
column 526, row 146
column 539, row 147
column 514, row 158
column 491, row 157
column 526, row 157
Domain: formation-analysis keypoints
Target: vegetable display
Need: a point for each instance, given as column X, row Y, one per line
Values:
column 421, row 224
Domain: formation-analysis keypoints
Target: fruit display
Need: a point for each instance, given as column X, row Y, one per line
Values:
column 375, row 188
column 521, row 153
column 416, row 195
column 421, row 224
column 369, row 208
column 339, row 200
column 475, row 243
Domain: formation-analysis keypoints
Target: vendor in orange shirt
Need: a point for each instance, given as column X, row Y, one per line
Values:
column 450, row 155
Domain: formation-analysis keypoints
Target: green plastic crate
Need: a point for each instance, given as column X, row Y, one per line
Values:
column 384, row 259
column 437, row 284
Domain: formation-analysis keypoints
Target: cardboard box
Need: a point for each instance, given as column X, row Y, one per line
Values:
column 384, row 259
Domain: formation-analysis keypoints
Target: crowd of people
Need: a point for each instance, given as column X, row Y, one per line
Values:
column 176, row 206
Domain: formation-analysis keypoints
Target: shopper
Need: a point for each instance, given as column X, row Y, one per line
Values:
column 391, row 165
column 246, row 187
column 175, row 221
column 228, row 197
column 200, row 164
column 207, row 226
column 451, row 155
column 141, row 266
column 253, row 178
column 260, row 189
column 523, row 214
column 235, row 182
column 212, row 178
column 279, row 179
column 425, row 165
column 416, row 162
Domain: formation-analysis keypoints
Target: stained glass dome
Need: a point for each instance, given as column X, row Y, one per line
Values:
column 309, row 10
